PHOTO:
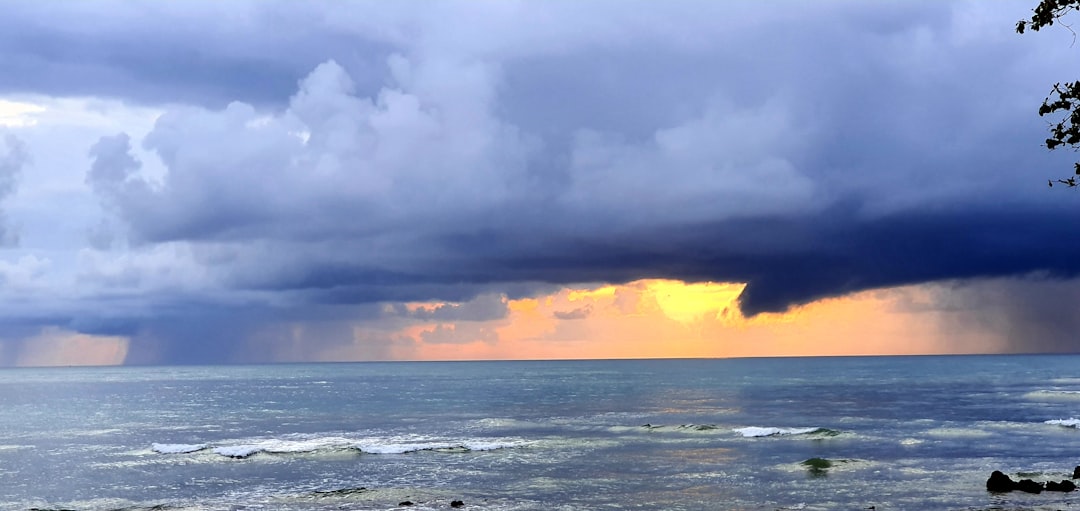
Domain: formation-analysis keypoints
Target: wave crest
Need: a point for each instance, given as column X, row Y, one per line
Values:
column 246, row 448
column 1068, row 423
column 177, row 448
column 757, row 431
column 1053, row 395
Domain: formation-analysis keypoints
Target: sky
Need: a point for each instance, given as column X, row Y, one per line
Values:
column 207, row 182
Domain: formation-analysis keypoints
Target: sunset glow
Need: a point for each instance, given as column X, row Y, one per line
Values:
column 672, row 319
column 650, row 318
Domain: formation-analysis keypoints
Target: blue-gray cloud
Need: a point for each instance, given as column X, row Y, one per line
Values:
column 13, row 158
column 321, row 157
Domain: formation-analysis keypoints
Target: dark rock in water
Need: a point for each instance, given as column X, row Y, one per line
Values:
column 1029, row 486
column 1065, row 485
column 1000, row 483
column 1076, row 473
column 405, row 503
column 457, row 503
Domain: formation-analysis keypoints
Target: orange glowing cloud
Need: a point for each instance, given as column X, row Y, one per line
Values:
column 666, row 319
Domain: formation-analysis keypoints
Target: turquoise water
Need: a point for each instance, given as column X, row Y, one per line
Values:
column 900, row 433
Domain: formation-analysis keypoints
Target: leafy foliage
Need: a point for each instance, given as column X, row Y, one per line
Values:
column 1064, row 99
column 1046, row 13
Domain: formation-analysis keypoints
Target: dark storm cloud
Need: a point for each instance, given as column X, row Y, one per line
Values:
column 980, row 241
column 791, row 261
column 785, row 261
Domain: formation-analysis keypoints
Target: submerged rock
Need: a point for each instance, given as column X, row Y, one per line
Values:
column 457, row 503
column 1076, row 473
column 817, row 467
column 405, row 503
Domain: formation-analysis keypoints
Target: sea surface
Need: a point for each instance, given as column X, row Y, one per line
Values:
column 894, row 433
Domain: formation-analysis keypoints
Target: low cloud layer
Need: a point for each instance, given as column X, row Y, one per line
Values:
column 13, row 157
column 318, row 166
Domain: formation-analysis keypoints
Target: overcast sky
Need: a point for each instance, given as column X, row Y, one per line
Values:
column 200, row 179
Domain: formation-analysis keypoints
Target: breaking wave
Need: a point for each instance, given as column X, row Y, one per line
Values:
column 756, row 431
column 1068, row 423
column 682, row 427
column 397, row 445
column 747, row 432
column 177, row 448
column 1053, row 395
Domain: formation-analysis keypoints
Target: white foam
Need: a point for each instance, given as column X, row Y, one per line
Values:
column 500, row 422
column 953, row 432
column 755, row 431
column 404, row 448
column 1053, row 395
column 244, row 448
column 491, row 446
column 1068, row 423
column 177, row 448
column 275, row 446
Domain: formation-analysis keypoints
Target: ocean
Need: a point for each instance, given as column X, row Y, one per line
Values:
column 732, row 434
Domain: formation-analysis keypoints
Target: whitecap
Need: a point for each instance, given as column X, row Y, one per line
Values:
column 492, row 446
column 404, row 448
column 275, row 446
column 959, row 433
column 756, row 431
column 238, row 451
column 244, row 448
column 1068, row 423
column 1053, row 395
column 177, row 448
